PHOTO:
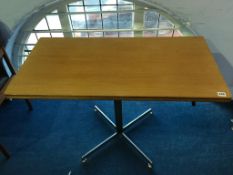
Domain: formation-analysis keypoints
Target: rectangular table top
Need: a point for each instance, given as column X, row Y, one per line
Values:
column 179, row 68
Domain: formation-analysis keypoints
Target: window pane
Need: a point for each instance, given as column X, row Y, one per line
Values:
column 96, row 34
column 125, row 7
column 76, row 9
column 126, row 34
column 108, row 1
column 111, row 34
column 92, row 8
column 149, row 33
column 80, row 34
column 150, row 19
column 165, row 33
column 109, row 8
column 94, row 21
column 57, row 35
column 91, row 2
column 125, row 20
column 24, row 59
column 110, row 20
column 77, row 3
column 30, row 47
column 54, row 22
column 177, row 33
column 43, row 35
column 162, row 18
column 165, row 24
column 42, row 25
column 124, row 2
column 78, row 21
column 32, row 39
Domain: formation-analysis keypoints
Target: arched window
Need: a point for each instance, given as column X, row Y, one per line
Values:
column 98, row 18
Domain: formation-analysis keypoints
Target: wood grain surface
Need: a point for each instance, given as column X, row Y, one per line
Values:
column 179, row 68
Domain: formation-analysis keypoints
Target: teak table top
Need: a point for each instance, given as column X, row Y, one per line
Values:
column 179, row 68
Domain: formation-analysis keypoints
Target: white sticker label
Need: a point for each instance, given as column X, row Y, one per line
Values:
column 221, row 94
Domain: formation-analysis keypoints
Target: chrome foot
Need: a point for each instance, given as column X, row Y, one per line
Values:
column 139, row 151
column 84, row 160
column 149, row 165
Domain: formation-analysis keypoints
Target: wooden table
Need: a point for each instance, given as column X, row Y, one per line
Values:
column 180, row 69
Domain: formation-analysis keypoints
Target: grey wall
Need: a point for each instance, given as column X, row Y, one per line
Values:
column 211, row 18
column 12, row 11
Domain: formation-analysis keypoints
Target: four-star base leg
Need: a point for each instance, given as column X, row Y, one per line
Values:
column 119, row 131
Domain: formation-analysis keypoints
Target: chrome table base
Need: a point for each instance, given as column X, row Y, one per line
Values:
column 119, row 131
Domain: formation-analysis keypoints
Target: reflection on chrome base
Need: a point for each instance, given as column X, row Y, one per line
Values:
column 119, row 131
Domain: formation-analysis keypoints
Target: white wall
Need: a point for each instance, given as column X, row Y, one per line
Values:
column 12, row 11
column 211, row 18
